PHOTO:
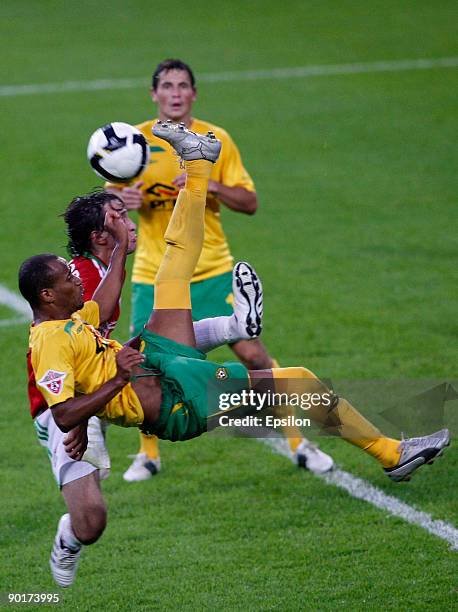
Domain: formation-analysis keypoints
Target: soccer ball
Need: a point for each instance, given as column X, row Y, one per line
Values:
column 117, row 152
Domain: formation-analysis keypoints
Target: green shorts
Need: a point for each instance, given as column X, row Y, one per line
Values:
column 211, row 297
column 190, row 385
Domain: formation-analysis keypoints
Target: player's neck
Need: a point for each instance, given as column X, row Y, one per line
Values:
column 101, row 253
column 50, row 314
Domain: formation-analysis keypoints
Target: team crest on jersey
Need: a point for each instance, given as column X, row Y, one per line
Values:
column 221, row 374
column 53, row 381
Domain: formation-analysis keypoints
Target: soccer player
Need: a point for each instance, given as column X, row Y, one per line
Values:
column 91, row 243
column 91, row 247
column 154, row 195
column 162, row 387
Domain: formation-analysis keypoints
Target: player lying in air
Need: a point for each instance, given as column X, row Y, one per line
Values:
column 162, row 388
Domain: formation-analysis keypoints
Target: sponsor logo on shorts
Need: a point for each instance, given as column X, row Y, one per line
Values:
column 53, row 381
column 221, row 374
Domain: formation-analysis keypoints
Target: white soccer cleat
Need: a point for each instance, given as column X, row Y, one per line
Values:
column 187, row 144
column 142, row 468
column 97, row 452
column 415, row 452
column 310, row 457
column 64, row 560
column 248, row 304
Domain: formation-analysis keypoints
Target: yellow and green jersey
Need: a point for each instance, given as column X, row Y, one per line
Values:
column 70, row 357
column 160, row 196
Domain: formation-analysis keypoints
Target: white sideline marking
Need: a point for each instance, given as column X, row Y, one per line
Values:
column 240, row 75
column 15, row 302
column 359, row 488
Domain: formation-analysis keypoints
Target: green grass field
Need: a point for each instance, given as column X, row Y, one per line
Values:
column 356, row 242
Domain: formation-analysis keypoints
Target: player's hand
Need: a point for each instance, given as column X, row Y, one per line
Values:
column 75, row 442
column 212, row 187
column 133, row 196
column 180, row 180
column 114, row 225
column 126, row 360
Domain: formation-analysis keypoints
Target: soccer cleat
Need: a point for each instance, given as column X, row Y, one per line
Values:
column 310, row 457
column 187, row 144
column 64, row 560
column 248, row 305
column 142, row 468
column 415, row 452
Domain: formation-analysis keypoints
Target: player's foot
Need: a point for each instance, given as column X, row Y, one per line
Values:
column 97, row 452
column 64, row 560
column 187, row 144
column 310, row 457
column 416, row 452
column 248, row 306
column 142, row 468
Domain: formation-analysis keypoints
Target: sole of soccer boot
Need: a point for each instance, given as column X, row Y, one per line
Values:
column 249, row 287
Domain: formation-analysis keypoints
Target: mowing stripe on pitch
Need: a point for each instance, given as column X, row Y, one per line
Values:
column 359, row 488
column 240, row 75
column 18, row 304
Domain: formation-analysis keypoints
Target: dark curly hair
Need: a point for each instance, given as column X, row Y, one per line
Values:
column 83, row 216
column 172, row 64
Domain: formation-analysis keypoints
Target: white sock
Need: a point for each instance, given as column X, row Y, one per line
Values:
column 214, row 332
column 69, row 537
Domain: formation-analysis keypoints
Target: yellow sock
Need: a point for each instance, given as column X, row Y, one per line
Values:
column 184, row 237
column 385, row 450
column 149, row 445
column 341, row 420
column 292, row 433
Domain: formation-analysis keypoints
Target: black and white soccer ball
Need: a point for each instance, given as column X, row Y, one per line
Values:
column 117, row 152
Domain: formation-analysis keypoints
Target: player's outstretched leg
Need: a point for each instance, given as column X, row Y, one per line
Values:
column 338, row 417
column 185, row 233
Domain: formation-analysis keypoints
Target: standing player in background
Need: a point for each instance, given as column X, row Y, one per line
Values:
column 154, row 195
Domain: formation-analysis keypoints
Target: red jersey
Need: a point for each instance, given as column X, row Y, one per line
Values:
column 91, row 270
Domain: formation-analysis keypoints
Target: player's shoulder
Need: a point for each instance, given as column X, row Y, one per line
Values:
column 146, row 128
column 79, row 263
column 49, row 332
column 89, row 313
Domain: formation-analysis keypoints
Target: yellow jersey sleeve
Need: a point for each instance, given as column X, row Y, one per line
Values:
column 52, row 359
column 232, row 171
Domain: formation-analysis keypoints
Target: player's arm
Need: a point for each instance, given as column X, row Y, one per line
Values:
column 235, row 198
column 109, row 289
column 132, row 195
column 77, row 410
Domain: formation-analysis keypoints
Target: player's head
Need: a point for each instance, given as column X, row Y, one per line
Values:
column 85, row 218
column 47, row 280
column 174, row 90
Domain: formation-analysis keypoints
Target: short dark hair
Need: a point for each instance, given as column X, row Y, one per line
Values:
column 35, row 275
column 83, row 216
column 172, row 64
